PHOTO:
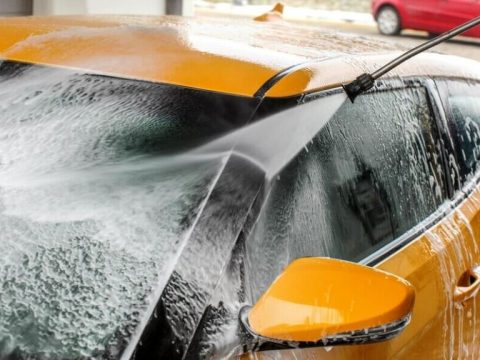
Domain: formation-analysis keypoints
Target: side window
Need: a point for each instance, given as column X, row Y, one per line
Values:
column 462, row 104
column 366, row 178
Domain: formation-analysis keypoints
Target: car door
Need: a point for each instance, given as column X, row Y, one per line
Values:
column 462, row 106
column 372, row 187
column 423, row 15
column 452, row 13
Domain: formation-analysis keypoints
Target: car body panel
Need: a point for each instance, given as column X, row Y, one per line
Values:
column 455, row 12
column 209, row 54
column 168, row 52
column 420, row 13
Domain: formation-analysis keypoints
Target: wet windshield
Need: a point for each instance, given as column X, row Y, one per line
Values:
column 97, row 199
column 366, row 178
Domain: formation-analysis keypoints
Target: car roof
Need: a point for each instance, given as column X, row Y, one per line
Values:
column 224, row 55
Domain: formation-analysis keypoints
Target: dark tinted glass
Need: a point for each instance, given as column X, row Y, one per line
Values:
column 462, row 103
column 368, row 177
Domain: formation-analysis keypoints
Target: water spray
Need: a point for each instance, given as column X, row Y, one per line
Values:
column 366, row 81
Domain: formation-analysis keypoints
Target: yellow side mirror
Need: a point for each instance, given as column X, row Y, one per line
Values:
column 322, row 301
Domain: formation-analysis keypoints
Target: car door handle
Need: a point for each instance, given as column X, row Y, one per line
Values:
column 467, row 286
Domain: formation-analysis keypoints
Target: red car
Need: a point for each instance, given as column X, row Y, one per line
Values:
column 434, row 16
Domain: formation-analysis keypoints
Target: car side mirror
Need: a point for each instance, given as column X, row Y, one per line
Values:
column 324, row 302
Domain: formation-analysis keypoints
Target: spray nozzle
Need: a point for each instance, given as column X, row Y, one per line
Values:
column 361, row 84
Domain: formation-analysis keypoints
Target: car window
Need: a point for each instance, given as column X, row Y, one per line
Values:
column 462, row 103
column 365, row 179
column 98, row 196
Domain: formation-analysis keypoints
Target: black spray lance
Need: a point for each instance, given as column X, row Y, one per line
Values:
column 366, row 81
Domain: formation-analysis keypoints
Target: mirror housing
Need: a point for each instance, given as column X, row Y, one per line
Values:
column 324, row 302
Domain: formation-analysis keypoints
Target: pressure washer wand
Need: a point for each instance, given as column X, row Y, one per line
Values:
column 366, row 81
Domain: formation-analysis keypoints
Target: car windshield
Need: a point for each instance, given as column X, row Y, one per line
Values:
column 98, row 193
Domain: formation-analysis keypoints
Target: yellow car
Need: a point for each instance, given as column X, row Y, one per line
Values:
column 157, row 174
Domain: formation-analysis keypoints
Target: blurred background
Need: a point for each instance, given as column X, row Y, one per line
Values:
column 184, row 7
column 67, row 7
